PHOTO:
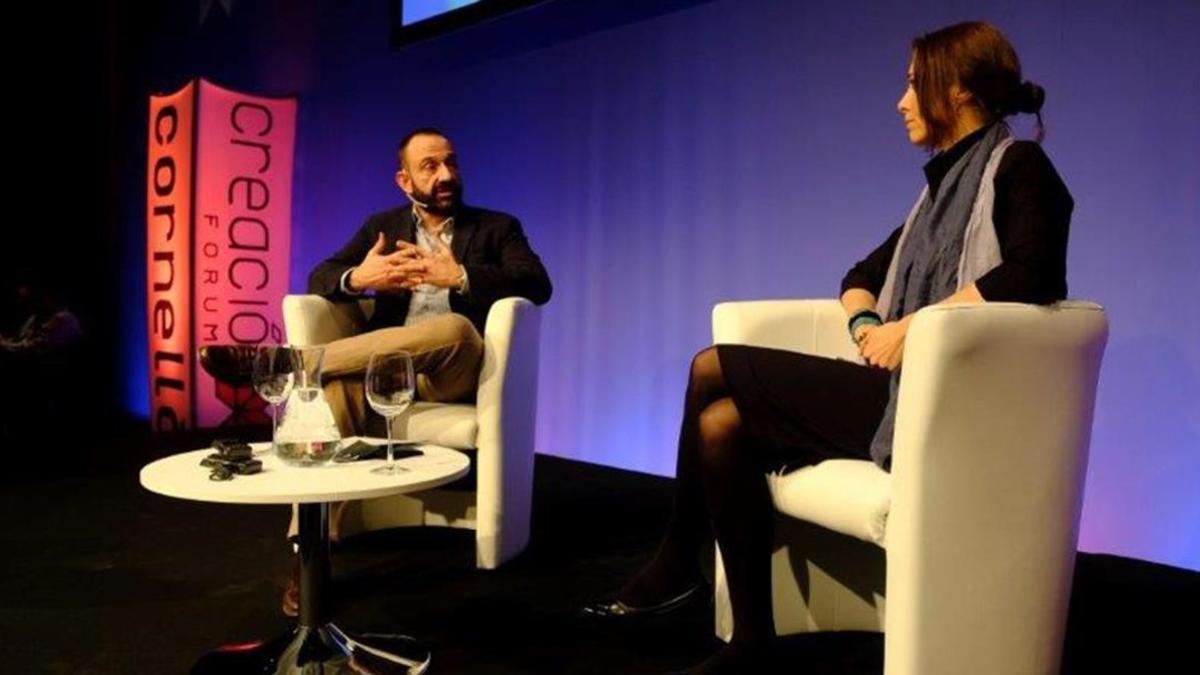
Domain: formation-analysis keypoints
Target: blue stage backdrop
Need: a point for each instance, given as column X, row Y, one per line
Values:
column 738, row 149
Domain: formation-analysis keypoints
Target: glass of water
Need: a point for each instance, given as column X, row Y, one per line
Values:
column 274, row 374
column 390, row 386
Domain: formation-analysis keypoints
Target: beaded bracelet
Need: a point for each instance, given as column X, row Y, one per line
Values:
column 863, row 317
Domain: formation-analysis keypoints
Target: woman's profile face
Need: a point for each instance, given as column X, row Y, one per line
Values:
column 914, row 124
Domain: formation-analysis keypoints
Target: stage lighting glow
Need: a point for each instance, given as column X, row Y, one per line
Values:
column 419, row 10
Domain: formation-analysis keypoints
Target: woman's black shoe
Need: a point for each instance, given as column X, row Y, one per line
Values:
column 615, row 609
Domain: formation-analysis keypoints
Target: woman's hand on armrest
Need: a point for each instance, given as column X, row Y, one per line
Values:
column 883, row 346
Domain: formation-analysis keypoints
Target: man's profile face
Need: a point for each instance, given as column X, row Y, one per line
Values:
column 429, row 173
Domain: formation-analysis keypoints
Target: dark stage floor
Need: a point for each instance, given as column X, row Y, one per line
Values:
column 101, row 576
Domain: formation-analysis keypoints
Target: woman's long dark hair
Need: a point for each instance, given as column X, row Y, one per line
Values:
column 977, row 57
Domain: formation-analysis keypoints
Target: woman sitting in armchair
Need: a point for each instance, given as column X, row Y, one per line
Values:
column 990, row 225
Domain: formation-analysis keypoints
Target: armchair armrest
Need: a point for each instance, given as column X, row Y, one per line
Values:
column 987, row 401
column 313, row 319
column 506, row 404
column 816, row 327
column 990, row 453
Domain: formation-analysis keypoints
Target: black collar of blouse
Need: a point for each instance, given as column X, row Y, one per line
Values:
column 937, row 167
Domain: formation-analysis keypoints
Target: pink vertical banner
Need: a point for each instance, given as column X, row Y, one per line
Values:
column 168, row 257
column 242, row 241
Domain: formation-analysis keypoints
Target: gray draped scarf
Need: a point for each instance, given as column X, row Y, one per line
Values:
column 948, row 241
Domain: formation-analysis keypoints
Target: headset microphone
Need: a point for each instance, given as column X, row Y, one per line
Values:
column 414, row 200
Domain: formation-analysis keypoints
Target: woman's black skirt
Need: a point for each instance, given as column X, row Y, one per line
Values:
column 801, row 409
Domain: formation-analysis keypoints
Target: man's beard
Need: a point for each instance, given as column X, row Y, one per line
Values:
column 441, row 205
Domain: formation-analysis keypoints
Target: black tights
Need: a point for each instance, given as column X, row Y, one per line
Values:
column 717, row 484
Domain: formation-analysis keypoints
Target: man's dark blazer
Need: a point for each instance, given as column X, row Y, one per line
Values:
column 489, row 244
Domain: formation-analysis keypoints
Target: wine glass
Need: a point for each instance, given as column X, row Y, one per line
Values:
column 390, row 387
column 274, row 374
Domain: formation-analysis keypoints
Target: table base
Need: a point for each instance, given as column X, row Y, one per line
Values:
column 326, row 650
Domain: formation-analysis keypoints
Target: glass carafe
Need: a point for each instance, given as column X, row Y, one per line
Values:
column 308, row 434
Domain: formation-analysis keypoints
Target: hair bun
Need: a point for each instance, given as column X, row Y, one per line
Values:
column 1030, row 98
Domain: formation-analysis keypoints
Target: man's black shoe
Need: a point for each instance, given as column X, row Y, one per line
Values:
column 231, row 364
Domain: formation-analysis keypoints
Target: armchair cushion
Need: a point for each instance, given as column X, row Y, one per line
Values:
column 850, row 496
column 454, row 425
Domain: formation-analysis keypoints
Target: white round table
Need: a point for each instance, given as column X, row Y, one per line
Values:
column 182, row 476
column 316, row 643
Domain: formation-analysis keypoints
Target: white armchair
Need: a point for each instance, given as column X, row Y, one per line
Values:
column 499, row 428
column 973, row 533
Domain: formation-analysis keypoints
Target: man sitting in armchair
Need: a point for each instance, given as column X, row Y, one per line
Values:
column 435, row 266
